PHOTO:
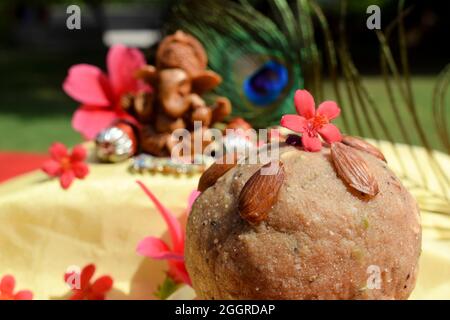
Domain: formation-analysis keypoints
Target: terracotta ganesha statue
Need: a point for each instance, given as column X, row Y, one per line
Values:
column 179, row 80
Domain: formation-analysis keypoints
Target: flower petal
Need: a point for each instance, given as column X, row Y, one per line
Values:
column 7, row 285
column 89, row 85
column 176, row 234
column 178, row 272
column 58, row 151
column 102, row 285
column 312, row 144
column 157, row 249
column 329, row 109
column 123, row 63
column 293, row 122
column 66, row 179
column 24, row 295
column 80, row 169
column 89, row 122
column 330, row 133
column 304, row 103
column 52, row 168
column 192, row 197
column 86, row 275
column 79, row 153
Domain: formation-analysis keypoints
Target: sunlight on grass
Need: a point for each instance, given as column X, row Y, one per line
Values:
column 423, row 90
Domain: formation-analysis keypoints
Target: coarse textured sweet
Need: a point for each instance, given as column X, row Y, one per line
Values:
column 320, row 240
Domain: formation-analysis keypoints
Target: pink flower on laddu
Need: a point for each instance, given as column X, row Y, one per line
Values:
column 100, row 94
column 311, row 122
column 156, row 248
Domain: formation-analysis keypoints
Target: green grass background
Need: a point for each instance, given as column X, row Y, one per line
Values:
column 34, row 110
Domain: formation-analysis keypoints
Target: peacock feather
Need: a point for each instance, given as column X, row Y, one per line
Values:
column 259, row 59
column 245, row 43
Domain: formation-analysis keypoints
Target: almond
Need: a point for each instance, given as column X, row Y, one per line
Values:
column 260, row 193
column 214, row 172
column 353, row 169
column 362, row 145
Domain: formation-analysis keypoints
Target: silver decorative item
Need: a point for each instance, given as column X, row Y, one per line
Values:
column 146, row 163
column 114, row 144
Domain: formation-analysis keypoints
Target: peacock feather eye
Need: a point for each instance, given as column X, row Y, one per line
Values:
column 259, row 60
column 265, row 85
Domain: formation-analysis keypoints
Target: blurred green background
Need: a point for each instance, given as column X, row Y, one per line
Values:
column 36, row 52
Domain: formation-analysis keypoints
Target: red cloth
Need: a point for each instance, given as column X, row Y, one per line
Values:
column 13, row 164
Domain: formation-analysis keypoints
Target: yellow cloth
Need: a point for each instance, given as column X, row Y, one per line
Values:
column 44, row 230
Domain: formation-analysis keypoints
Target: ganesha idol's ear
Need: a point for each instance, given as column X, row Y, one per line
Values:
column 149, row 74
column 205, row 81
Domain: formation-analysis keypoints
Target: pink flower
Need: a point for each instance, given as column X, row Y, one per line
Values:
column 66, row 166
column 100, row 95
column 7, row 285
column 88, row 291
column 311, row 122
column 156, row 248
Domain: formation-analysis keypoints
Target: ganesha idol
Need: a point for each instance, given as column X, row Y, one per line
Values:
column 177, row 83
